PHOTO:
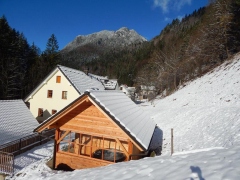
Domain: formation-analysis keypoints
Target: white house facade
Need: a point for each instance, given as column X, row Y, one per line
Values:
column 58, row 89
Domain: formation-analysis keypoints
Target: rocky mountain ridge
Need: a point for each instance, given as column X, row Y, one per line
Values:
column 107, row 39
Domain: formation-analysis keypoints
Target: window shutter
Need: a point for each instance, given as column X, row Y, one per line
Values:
column 58, row 79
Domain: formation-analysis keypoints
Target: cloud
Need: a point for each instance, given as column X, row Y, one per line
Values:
column 167, row 19
column 180, row 3
column 165, row 5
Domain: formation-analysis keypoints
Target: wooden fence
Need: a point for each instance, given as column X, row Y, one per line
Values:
column 6, row 163
column 26, row 143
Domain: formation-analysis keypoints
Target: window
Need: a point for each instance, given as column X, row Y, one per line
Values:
column 54, row 111
column 92, row 146
column 50, row 93
column 58, row 79
column 64, row 95
column 40, row 112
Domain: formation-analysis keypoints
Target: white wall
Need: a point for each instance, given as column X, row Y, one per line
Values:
column 40, row 100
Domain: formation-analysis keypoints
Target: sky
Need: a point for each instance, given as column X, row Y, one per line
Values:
column 66, row 19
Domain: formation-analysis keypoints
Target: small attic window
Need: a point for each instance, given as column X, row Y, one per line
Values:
column 50, row 93
column 58, row 79
column 40, row 112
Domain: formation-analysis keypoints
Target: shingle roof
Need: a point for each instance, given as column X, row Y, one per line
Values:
column 16, row 121
column 80, row 80
column 131, row 117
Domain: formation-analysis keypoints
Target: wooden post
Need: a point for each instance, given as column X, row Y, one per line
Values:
column 171, row 141
column 56, row 147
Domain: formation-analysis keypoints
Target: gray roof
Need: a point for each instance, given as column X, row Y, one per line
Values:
column 130, row 116
column 80, row 80
column 98, row 77
column 16, row 121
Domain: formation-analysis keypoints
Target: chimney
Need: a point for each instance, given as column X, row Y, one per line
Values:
column 86, row 70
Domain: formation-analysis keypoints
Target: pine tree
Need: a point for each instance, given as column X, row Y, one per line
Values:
column 51, row 54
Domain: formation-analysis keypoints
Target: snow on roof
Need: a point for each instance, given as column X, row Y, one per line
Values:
column 16, row 120
column 98, row 77
column 80, row 80
column 109, row 84
column 133, row 119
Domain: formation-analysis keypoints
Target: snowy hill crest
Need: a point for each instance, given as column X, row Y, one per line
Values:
column 108, row 39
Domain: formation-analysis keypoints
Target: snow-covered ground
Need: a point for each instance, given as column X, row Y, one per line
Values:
column 205, row 116
column 207, row 164
column 34, row 155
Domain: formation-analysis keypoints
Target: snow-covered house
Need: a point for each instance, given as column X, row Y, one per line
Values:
column 99, row 128
column 60, row 87
column 147, row 92
column 129, row 91
column 16, row 121
column 109, row 84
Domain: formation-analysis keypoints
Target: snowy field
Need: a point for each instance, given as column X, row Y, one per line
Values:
column 205, row 116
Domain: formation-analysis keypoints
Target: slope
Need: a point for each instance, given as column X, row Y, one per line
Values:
column 206, row 120
column 203, row 114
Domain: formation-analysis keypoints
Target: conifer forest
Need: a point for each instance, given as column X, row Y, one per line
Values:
column 184, row 50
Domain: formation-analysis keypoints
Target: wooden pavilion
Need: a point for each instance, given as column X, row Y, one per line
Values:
column 97, row 129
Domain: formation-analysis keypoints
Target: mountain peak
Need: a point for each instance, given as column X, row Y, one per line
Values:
column 107, row 39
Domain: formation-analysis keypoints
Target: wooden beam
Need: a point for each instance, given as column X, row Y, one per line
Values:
column 56, row 147
column 52, row 126
column 123, row 148
column 63, row 136
column 116, row 125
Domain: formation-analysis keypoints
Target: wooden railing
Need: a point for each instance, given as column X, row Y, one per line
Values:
column 26, row 143
column 6, row 163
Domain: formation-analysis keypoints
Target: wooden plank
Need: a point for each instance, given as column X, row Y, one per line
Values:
column 88, row 123
column 95, row 134
column 103, row 131
column 84, row 117
column 63, row 136
column 123, row 148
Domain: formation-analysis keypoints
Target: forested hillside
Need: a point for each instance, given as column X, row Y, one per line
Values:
column 184, row 49
column 22, row 66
